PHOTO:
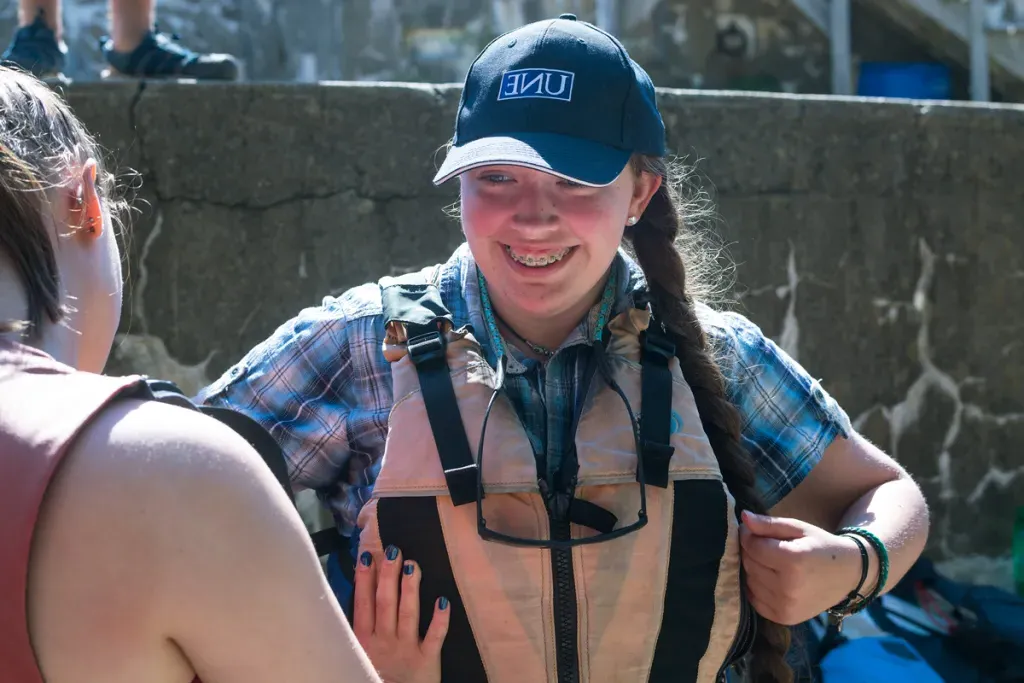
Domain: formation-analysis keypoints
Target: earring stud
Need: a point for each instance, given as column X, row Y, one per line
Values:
column 632, row 220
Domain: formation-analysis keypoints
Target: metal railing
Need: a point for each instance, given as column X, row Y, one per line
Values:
column 989, row 17
column 984, row 17
column 839, row 39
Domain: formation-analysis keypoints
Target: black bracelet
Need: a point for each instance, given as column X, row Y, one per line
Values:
column 842, row 610
column 864, row 564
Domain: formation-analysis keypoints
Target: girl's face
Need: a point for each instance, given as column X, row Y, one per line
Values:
column 543, row 243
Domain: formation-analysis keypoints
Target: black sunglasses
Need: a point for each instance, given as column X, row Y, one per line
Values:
column 562, row 504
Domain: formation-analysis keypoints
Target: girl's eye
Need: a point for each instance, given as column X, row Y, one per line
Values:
column 572, row 185
column 495, row 178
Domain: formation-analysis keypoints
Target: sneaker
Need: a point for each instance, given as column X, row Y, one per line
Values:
column 35, row 49
column 161, row 55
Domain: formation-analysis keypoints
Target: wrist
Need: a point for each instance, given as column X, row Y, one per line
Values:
column 868, row 579
column 852, row 577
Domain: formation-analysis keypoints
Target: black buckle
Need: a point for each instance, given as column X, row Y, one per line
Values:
column 426, row 348
column 657, row 457
column 462, row 483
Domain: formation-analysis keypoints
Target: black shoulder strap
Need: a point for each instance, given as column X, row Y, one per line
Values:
column 657, row 350
column 325, row 541
column 416, row 302
column 246, row 427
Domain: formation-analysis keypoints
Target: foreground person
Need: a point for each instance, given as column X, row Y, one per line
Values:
column 140, row 541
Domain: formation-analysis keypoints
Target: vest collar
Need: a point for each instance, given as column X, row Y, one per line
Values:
column 460, row 277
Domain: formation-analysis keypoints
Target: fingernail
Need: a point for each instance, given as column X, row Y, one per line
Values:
column 391, row 553
column 408, row 569
column 366, row 558
column 443, row 604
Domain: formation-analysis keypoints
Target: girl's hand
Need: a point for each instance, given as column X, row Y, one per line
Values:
column 387, row 619
column 795, row 570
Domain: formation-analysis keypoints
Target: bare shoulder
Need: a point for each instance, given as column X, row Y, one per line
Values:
column 172, row 541
column 143, row 477
column 223, row 546
column 126, row 526
column 173, row 483
column 132, row 441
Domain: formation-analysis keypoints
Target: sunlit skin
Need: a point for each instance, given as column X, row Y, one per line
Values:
column 536, row 214
column 87, row 256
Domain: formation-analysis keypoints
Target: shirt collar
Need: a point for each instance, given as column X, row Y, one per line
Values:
column 460, row 278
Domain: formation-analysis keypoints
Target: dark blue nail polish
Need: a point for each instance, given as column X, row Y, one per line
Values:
column 366, row 558
column 391, row 553
column 408, row 569
column 443, row 604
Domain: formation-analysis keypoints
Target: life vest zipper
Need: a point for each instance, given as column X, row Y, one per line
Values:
column 566, row 644
column 741, row 643
column 558, row 494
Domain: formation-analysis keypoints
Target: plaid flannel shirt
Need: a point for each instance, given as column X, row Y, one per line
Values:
column 321, row 386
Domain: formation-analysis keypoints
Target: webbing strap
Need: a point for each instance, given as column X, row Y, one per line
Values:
column 253, row 432
column 592, row 516
column 427, row 353
column 700, row 530
column 414, row 525
column 656, row 406
column 329, row 540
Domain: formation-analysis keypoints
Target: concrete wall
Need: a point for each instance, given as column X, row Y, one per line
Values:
column 436, row 40
column 880, row 243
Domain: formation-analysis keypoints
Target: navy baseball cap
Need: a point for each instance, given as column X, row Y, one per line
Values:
column 560, row 96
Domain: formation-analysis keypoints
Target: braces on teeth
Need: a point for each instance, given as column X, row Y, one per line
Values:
column 537, row 261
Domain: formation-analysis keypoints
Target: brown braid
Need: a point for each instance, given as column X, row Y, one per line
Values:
column 653, row 240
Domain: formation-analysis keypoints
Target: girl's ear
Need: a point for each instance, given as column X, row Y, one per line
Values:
column 645, row 186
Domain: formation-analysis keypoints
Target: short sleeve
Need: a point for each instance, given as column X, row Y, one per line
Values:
column 303, row 384
column 788, row 420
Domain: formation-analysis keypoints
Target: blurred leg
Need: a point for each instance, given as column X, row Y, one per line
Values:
column 130, row 21
column 37, row 46
column 137, row 50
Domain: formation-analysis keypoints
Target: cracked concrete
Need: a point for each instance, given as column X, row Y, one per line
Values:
column 789, row 338
column 862, row 248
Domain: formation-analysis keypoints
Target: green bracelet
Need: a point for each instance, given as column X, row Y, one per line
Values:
column 883, row 562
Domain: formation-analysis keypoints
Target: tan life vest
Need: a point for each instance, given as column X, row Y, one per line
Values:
column 662, row 603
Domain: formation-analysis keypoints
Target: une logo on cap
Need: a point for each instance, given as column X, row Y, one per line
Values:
column 549, row 84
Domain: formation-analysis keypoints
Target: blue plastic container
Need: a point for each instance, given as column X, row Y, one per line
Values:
column 876, row 660
column 904, row 80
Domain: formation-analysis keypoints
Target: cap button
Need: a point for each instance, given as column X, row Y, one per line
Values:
column 567, row 15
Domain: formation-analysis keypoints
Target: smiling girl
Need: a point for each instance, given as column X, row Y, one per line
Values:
column 608, row 479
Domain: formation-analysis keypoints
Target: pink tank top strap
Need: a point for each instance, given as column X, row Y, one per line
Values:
column 43, row 407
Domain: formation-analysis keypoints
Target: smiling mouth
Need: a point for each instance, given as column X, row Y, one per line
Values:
column 538, row 260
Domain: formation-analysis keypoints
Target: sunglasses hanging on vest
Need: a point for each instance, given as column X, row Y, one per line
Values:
column 626, row 566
